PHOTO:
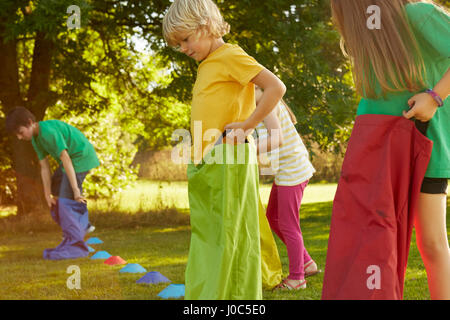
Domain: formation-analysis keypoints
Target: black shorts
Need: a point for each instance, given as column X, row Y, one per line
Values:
column 431, row 185
column 434, row 185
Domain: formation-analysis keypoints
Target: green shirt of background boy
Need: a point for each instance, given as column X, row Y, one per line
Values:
column 55, row 136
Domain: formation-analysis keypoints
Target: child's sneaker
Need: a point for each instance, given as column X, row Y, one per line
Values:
column 90, row 229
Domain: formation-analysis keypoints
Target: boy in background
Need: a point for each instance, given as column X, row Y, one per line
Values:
column 63, row 192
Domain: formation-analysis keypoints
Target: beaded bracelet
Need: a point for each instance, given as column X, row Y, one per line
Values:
column 435, row 97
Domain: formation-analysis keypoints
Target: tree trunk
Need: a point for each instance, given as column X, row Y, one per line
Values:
column 29, row 197
column 39, row 95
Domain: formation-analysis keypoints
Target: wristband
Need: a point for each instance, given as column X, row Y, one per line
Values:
column 436, row 97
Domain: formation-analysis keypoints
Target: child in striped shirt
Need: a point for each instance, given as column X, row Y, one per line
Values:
column 292, row 170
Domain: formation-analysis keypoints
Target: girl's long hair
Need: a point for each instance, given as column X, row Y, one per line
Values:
column 390, row 55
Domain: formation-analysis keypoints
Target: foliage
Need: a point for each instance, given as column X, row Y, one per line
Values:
column 133, row 119
column 96, row 78
column 114, row 147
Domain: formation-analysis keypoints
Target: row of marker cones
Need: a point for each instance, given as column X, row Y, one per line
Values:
column 153, row 277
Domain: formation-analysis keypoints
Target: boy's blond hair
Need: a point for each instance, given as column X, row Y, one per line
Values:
column 199, row 17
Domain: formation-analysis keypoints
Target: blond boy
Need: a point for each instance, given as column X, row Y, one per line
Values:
column 223, row 263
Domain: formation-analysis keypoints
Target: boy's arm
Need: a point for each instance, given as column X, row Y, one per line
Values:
column 46, row 181
column 274, row 90
column 70, row 171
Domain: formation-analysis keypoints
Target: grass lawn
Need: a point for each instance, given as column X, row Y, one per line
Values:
column 156, row 239
column 151, row 196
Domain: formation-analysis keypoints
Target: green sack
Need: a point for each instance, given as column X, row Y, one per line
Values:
column 224, row 260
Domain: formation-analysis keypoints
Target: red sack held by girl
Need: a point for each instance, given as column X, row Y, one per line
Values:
column 373, row 209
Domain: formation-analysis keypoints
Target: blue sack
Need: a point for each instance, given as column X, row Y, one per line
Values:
column 73, row 218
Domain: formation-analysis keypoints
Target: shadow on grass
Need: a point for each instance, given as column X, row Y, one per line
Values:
column 42, row 221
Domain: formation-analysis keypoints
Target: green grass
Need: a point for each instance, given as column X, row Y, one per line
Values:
column 145, row 229
column 25, row 275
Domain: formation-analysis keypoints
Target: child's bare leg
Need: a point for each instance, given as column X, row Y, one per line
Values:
column 432, row 241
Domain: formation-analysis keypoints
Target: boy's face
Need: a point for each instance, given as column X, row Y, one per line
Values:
column 25, row 133
column 197, row 48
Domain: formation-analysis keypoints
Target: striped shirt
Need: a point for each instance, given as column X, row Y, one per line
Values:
column 290, row 163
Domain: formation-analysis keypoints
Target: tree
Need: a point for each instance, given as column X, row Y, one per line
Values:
column 54, row 70
column 11, row 94
column 43, row 63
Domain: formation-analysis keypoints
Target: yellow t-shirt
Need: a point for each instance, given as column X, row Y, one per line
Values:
column 222, row 94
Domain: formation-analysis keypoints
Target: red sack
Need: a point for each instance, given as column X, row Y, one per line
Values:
column 373, row 209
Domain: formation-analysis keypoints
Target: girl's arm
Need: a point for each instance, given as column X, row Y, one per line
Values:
column 274, row 90
column 70, row 171
column 423, row 106
column 274, row 138
column 46, row 181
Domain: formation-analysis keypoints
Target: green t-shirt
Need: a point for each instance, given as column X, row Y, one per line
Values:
column 431, row 26
column 56, row 136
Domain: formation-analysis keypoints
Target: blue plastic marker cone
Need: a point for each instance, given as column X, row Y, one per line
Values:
column 91, row 249
column 101, row 255
column 93, row 240
column 153, row 277
column 172, row 291
column 133, row 268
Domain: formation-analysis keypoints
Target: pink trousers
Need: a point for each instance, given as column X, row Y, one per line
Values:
column 283, row 216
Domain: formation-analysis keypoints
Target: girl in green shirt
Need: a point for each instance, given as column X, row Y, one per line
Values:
column 401, row 68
